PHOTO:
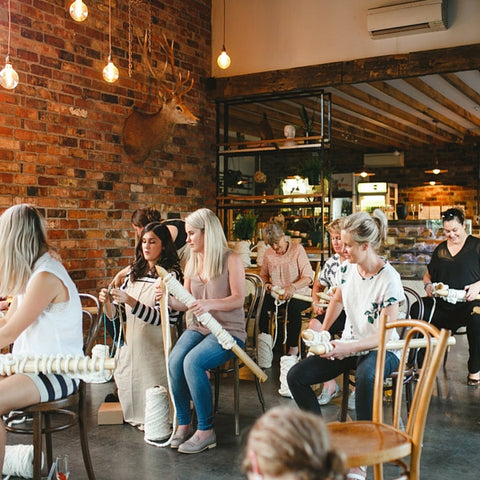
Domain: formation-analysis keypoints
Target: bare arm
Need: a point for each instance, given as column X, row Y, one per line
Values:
column 44, row 289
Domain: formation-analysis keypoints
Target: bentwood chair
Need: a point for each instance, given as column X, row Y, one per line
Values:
column 58, row 415
column 254, row 295
column 411, row 297
column 377, row 442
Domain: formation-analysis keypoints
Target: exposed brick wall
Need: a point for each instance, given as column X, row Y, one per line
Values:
column 61, row 128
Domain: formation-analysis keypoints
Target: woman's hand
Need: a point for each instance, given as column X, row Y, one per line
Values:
column 158, row 292
column 318, row 310
column 103, row 296
column 339, row 352
column 472, row 291
column 198, row 307
column 121, row 296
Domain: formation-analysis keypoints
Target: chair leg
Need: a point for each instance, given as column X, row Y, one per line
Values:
column 236, row 396
column 37, row 445
column 48, row 441
column 261, row 398
column 345, row 393
column 82, row 425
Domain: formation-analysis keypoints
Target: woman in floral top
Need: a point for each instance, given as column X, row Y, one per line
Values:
column 369, row 288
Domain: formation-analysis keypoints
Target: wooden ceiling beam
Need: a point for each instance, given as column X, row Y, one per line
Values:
column 411, row 102
column 432, row 128
column 460, row 85
column 430, row 92
column 309, row 78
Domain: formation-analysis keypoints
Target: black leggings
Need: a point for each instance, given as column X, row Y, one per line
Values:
column 452, row 318
column 295, row 308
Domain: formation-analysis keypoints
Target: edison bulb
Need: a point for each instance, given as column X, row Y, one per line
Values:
column 110, row 72
column 8, row 77
column 223, row 60
column 78, row 11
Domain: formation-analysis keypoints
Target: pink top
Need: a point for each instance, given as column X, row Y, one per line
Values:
column 283, row 270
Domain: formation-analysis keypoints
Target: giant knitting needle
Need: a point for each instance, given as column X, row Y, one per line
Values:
column 323, row 347
column 223, row 337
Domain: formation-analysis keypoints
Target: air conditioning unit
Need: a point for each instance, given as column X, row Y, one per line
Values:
column 384, row 160
column 407, row 18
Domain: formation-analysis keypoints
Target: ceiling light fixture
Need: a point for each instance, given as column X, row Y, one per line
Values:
column 8, row 76
column 436, row 170
column 110, row 72
column 364, row 174
column 223, row 60
column 78, row 11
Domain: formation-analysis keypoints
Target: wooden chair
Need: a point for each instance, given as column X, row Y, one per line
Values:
column 376, row 442
column 411, row 296
column 58, row 415
column 255, row 293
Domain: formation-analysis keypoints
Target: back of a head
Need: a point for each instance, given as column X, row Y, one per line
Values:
column 292, row 443
column 144, row 216
column 366, row 228
column 272, row 232
column 23, row 238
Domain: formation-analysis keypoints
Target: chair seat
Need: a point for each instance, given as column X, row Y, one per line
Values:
column 368, row 443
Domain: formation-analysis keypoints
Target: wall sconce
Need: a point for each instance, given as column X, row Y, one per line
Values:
column 110, row 72
column 8, row 76
column 223, row 60
column 78, row 11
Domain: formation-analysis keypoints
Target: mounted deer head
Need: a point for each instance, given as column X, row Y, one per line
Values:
column 143, row 132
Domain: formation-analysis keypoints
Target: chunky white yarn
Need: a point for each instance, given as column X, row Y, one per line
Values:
column 312, row 337
column 286, row 363
column 265, row 350
column 83, row 367
column 157, row 416
column 18, row 461
column 450, row 295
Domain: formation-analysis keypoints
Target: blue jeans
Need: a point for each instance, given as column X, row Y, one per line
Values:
column 315, row 369
column 189, row 360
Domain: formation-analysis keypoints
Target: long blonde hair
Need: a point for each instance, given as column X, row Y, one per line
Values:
column 215, row 244
column 23, row 238
column 287, row 440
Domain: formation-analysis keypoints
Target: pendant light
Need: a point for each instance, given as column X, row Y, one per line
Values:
column 223, row 60
column 436, row 170
column 8, row 76
column 110, row 72
column 78, row 11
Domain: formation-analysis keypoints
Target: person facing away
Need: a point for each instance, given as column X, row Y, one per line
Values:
column 370, row 291
column 215, row 277
column 141, row 362
column 45, row 316
column 286, row 443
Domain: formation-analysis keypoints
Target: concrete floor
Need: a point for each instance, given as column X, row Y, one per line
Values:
column 450, row 451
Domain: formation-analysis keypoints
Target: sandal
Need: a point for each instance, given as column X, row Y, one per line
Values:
column 473, row 382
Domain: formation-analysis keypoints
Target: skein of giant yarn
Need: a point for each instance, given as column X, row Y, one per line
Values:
column 286, row 363
column 157, row 416
column 18, row 461
column 265, row 350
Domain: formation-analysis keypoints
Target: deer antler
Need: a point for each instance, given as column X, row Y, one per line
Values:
column 145, row 56
column 167, row 49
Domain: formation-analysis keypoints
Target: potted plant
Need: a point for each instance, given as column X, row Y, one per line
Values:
column 244, row 225
column 307, row 120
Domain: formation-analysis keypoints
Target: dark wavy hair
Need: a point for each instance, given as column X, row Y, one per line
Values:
column 168, row 258
column 144, row 216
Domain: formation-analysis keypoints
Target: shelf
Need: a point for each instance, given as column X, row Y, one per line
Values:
column 272, row 145
column 265, row 201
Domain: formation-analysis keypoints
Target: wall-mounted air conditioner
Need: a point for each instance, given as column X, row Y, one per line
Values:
column 407, row 18
column 384, row 160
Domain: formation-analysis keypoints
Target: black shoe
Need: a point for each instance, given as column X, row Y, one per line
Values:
column 111, row 398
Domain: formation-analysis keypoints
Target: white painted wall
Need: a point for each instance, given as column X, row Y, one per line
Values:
column 263, row 35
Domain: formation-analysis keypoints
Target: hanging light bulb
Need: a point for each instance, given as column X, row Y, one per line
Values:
column 110, row 72
column 223, row 60
column 8, row 76
column 78, row 11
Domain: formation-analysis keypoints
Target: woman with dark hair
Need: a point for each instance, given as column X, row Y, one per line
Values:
column 456, row 263
column 141, row 363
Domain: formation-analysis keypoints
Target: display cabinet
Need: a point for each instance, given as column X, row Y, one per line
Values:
column 250, row 145
column 410, row 244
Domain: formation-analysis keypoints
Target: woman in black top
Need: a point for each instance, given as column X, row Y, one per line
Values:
column 456, row 263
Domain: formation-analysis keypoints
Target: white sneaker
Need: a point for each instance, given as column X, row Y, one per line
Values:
column 351, row 401
column 325, row 397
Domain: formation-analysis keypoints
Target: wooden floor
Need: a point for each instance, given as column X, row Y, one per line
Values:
column 451, row 445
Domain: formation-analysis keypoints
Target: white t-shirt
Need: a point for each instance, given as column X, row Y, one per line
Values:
column 364, row 299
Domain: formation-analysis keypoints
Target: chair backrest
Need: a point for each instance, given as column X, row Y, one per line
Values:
column 254, row 296
column 411, row 297
column 91, row 311
column 436, row 344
